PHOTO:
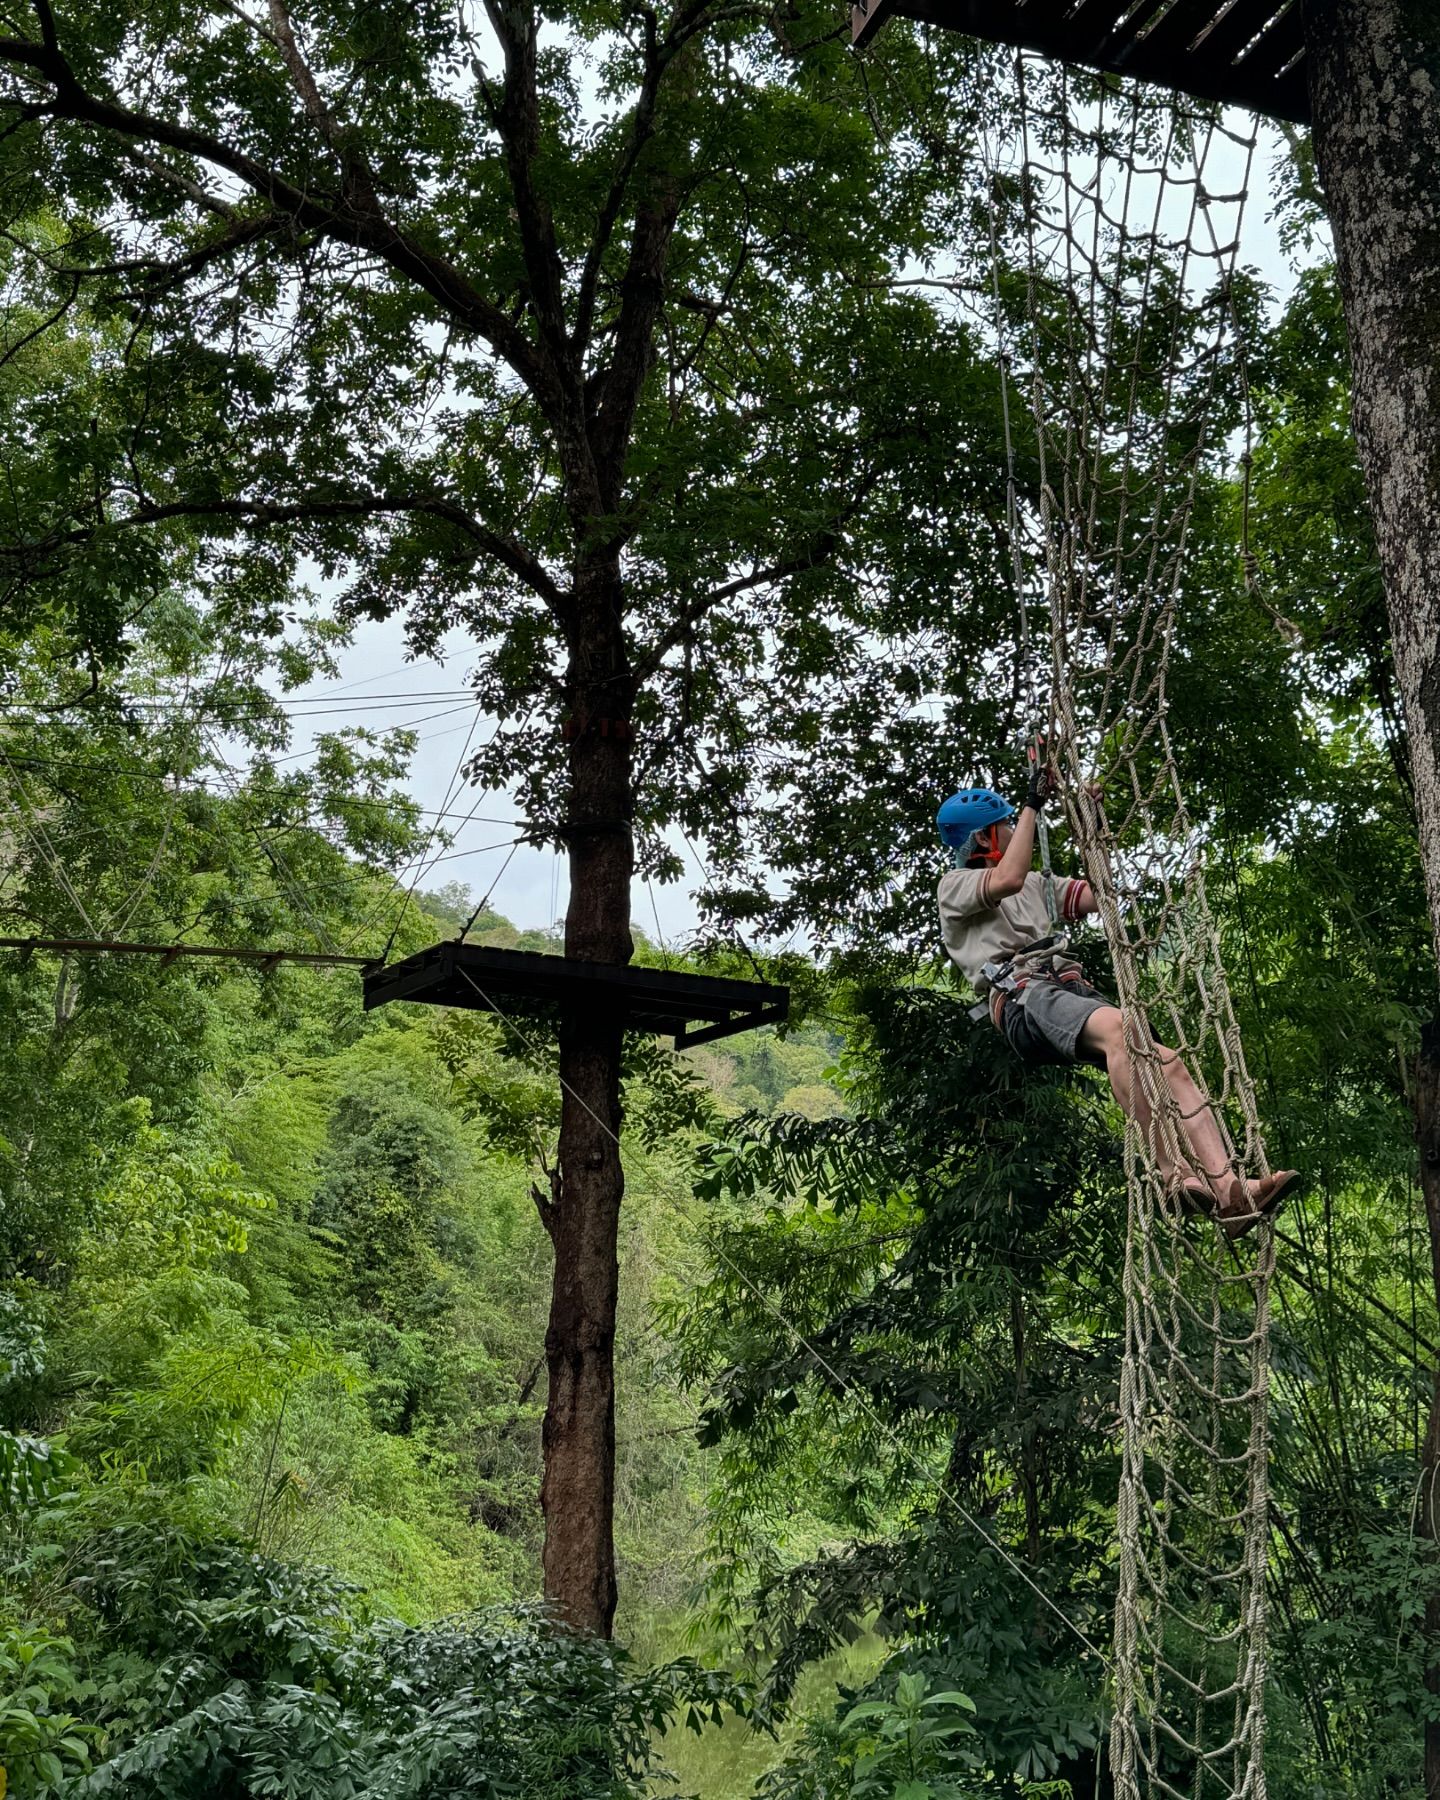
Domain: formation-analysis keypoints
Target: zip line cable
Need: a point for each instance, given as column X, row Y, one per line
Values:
column 322, row 936
column 171, row 952
column 41, row 840
column 296, row 892
column 485, row 899
column 360, row 877
column 274, row 706
column 426, row 737
column 430, row 836
column 348, row 802
column 450, row 789
column 122, row 915
column 253, row 953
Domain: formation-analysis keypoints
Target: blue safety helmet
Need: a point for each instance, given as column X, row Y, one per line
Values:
column 969, row 811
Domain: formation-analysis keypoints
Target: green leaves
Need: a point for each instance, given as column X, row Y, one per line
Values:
column 42, row 1746
column 905, row 1746
column 33, row 1473
column 399, row 341
column 262, row 1684
column 901, row 1324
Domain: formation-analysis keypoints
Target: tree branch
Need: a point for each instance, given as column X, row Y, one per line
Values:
column 822, row 548
column 362, row 228
column 360, row 183
column 641, row 131
column 509, row 553
column 13, row 350
column 518, row 121
column 162, row 275
column 642, row 287
column 714, row 313
column 48, row 35
column 820, row 551
column 199, row 196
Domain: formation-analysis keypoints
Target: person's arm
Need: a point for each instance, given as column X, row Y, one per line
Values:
column 1008, row 875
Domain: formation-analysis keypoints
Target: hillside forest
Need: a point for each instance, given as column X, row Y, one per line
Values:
column 433, row 1402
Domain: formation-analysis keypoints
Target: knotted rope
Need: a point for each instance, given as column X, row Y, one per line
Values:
column 1123, row 212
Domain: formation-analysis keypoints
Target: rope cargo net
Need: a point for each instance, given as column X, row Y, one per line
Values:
column 1117, row 223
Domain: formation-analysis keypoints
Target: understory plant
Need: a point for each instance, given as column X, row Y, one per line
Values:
column 198, row 1670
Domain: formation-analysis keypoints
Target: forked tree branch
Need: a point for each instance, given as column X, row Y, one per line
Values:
column 518, row 120
column 360, row 183
column 643, row 125
column 690, row 617
column 822, row 547
column 359, row 227
column 616, row 390
column 507, row 551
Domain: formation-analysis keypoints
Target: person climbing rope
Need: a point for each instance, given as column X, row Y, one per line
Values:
column 997, row 926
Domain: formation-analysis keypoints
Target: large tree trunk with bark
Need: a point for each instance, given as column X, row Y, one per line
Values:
column 1375, row 91
column 1427, row 1136
column 583, row 1218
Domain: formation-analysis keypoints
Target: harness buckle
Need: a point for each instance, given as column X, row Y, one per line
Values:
column 1005, row 976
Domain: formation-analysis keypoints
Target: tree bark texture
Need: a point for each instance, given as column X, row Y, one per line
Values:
column 577, row 1494
column 1427, row 1136
column 1375, row 98
column 1375, row 93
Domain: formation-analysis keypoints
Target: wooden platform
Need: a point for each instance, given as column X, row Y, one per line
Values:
column 1248, row 53
column 524, row 983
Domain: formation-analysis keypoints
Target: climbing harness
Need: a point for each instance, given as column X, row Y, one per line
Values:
column 1009, row 976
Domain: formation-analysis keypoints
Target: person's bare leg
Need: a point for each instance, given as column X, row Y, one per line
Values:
column 1235, row 1197
column 1104, row 1034
column 1198, row 1122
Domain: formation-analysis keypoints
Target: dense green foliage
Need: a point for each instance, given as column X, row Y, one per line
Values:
column 272, row 1329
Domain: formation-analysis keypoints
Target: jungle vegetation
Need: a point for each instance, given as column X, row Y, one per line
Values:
column 687, row 449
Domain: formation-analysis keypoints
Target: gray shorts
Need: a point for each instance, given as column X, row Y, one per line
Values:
column 1043, row 1021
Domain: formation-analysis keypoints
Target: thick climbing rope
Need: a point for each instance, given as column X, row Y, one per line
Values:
column 1129, row 250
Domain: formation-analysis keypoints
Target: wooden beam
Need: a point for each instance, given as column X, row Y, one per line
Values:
column 1247, row 53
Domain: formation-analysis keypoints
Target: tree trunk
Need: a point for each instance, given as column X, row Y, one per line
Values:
column 1375, row 93
column 577, row 1494
column 1427, row 1135
column 1375, row 96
